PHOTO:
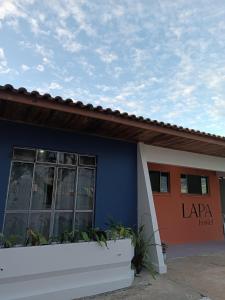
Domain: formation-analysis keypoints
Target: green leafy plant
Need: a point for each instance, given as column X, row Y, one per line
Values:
column 85, row 236
column 118, row 231
column 99, row 236
column 92, row 234
column 141, row 245
column 1, row 238
column 65, row 237
column 9, row 242
column 141, row 252
column 34, row 238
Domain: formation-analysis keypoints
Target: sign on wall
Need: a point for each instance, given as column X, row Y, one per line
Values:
column 200, row 211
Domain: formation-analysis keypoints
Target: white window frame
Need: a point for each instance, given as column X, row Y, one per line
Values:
column 56, row 166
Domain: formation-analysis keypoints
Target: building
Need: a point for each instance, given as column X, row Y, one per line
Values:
column 64, row 164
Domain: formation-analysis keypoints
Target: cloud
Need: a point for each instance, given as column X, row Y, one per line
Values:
column 54, row 86
column 40, row 68
column 2, row 57
column 81, row 18
column 117, row 72
column 88, row 68
column 35, row 26
column 10, row 8
column 69, row 79
column 140, row 56
column 68, row 40
column 46, row 54
column 106, row 56
column 43, row 51
column 3, row 63
column 25, row 67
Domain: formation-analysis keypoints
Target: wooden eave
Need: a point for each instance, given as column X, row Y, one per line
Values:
column 43, row 110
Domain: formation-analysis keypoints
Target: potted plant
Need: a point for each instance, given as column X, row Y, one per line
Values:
column 164, row 250
column 141, row 249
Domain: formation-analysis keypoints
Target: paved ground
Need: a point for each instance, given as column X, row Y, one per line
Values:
column 195, row 249
column 188, row 278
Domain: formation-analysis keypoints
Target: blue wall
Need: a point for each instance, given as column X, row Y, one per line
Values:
column 116, row 186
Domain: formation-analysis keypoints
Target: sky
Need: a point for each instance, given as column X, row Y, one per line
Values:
column 160, row 59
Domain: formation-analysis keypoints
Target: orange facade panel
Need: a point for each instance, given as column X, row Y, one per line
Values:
column 184, row 217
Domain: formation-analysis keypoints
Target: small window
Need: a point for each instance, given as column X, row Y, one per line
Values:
column 67, row 158
column 204, row 184
column 184, row 185
column 46, row 156
column 194, row 184
column 159, row 181
column 85, row 160
column 24, row 154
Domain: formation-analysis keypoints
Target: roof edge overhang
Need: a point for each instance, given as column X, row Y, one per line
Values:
column 21, row 98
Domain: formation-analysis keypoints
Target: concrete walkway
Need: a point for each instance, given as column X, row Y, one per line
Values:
column 188, row 278
column 183, row 250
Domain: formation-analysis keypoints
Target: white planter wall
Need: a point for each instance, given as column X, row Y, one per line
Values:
column 65, row 271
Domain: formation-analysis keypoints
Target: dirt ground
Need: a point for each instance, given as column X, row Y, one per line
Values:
column 188, row 278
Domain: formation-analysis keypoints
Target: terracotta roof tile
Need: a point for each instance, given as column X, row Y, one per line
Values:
column 79, row 104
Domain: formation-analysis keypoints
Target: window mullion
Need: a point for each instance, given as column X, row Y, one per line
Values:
column 7, row 195
column 160, row 182
column 75, row 199
column 31, row 194
column 53, row 202
column 93, row 206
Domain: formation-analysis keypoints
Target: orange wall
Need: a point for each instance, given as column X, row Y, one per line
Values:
column 173, row 227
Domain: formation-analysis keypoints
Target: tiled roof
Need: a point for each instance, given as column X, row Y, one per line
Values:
column 108, row 111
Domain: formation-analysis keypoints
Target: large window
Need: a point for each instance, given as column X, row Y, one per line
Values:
column 50, row 192
column 194, row 184
column 159, row 181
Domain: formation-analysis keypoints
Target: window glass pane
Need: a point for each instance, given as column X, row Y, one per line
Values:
column 155, row 180
column 85, row 189
column 184, row 186
column 164, row 182
column 194, row 184
column 66, row 188
column 32, row 188
column 24, row 154
column 15, row 227
column 46, row 156
column 43, row 187
column 40, row 222
column 67, row 158
column 83, row 220
column 204, row 183
column 87, row 160
column 63, row 222
column 20, row 186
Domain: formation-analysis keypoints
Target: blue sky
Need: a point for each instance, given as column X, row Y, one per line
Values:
column 160, row 59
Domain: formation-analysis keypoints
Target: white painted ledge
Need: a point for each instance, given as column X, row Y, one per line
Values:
column 182, row 158
column 65, row 271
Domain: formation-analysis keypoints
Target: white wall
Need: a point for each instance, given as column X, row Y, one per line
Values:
column 183, row 158
column 147, row 214
column 65, row 271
